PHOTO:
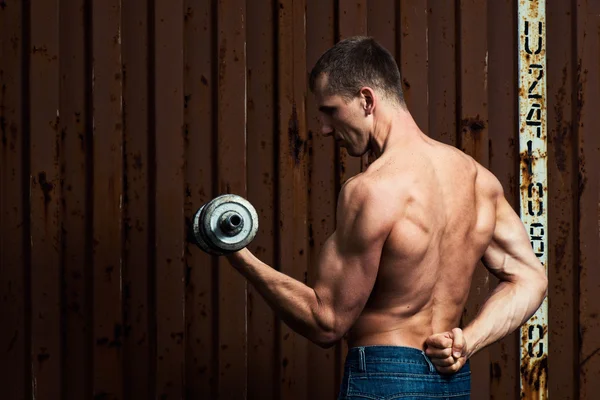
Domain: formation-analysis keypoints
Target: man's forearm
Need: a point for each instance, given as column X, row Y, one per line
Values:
column 509, row 306
column 294, row 303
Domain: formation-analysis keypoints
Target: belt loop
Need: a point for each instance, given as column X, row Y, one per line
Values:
column 362, row 362
column 431, row 367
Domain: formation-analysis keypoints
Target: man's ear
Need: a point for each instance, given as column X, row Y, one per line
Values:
column 369, row 100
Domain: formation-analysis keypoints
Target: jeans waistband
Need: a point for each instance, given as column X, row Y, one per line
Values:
column 362, row 355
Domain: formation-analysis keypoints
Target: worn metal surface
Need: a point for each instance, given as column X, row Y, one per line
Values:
column 15, row 336
column 169, row 196
column 201, row 273
column 413, row 58
column 533, row 183
column 232, row 178
column 99, row 289
column 292, row 182
column 75, row 165
column 588, row 192
column 261, row 128
column 504, row 160
column 473, row 139
column 563, row 271
column 45, row 196
column 442, row 67
column 324, row 365
column 351, row 21
column 107, row 192
column 137, row 279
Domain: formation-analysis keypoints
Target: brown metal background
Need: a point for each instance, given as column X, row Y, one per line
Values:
column 118, row 119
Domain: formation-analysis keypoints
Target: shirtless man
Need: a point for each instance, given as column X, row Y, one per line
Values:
column 410, row 230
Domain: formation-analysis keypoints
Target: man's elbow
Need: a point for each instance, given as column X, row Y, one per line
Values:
column 327, row 340
column 329, row 334
column 536, row 284
column 543, row 284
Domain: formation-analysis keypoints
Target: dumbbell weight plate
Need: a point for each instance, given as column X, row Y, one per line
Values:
column 210, row 223
column 199, row 235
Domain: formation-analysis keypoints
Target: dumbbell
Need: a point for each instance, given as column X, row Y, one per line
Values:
column 224, row 225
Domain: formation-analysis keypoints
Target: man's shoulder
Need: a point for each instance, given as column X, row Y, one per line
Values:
column 365, row 192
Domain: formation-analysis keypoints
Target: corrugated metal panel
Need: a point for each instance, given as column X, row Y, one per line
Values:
column 472, row 108
column 588, row 143
column 200, row 80
column 100, row 290
column 169, row 196
column 107, row 195
column 75, row 165
column 563, row 271
column 231, row 178
column 15, row 336
column 136, row 274
column 504, row 160
column 263, row 368
column 324, row 366
column 291, row 183
column 442, row 85
column 45, row 197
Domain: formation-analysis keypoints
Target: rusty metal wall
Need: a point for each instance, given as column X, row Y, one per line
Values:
column 118, row 119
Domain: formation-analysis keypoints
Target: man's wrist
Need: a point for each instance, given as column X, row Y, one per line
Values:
column 471, row 343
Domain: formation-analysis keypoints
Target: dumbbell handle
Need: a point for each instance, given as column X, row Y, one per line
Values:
column 231, row 223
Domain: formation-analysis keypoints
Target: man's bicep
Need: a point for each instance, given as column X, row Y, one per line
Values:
column 509, row 255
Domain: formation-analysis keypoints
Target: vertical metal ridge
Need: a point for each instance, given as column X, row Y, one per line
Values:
column 215, row 190
column 575, row 116
column 276, row 189
column 151, row 192
column 458, row 76
column 89, row 194
column 26, row 187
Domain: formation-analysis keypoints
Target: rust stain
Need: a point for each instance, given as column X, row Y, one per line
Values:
column 526, row 165
column 46, row 187
column 580, row 82
column 177, row 336
column 563, row 130
column 535, row 377
column 189, row 13
column 43, row 51
column 473, row 124
column 43, row 355
column 3, row 110
column 495, row 371
column 295, row 141
column 582, row 174
column 222, row 62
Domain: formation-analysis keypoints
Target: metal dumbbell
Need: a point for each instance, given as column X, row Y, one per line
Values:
column 224, row 225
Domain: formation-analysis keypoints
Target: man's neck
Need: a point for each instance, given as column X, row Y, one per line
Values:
column 391, row 130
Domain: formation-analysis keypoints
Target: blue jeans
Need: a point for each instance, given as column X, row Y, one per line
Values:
column 393, row 372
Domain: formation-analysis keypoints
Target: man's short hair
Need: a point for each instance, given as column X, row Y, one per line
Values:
column 356, row 62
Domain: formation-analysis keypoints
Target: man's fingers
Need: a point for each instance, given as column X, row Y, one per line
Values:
column 445, row 368
column 440, row 340
column 452, row 369
column 443, row 362
column 458, row 344
column 434, row 352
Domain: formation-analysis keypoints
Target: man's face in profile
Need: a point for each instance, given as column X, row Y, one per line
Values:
column 343, row 119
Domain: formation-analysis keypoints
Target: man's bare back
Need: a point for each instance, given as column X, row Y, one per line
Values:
column 443, row 223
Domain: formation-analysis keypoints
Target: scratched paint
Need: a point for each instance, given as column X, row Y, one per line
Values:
column 533, row 183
